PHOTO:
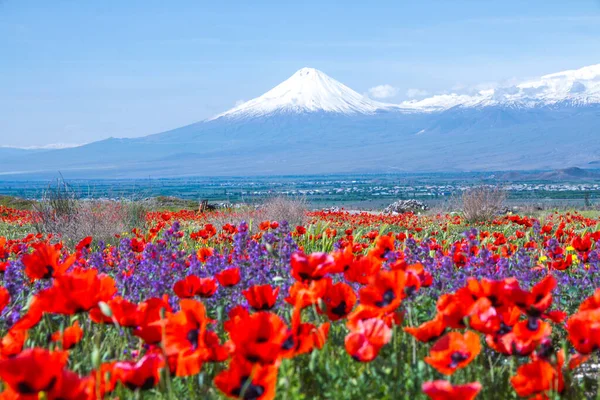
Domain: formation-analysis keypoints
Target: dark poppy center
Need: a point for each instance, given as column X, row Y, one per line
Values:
column 49, row 272
column 387, row 298
column 340, row 309
column 262, row 339
column 494, row 300
column 147, row 384
column 247, row 390
column 538, row 298
column 546, row 349
column 504, row 329
column 304, row 276
column 192, row 337
column 533, row 324
column 25, row 388
column 457, row 357
column 288, row 344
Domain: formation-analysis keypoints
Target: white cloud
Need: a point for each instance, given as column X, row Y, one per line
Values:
column 383, row 91
column 412, row 93
column 239, row 102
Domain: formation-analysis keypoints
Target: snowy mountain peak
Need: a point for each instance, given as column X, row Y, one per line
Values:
column 308, row 90
column 578, row 87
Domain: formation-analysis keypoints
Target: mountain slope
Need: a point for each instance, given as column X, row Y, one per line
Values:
column 313, row 124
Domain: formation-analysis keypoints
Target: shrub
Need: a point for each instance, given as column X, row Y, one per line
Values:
column 482, row 203
column 292, row 210
column 60, row 212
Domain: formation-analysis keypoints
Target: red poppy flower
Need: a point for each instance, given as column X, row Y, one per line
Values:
column 312, row 267
column 85, row 243
column 44, row 262
column 428, row 331
column 508, row 319
column 216, row 352
column 245, row 380
column 70, row 337
column 262, row 337
column 343, row 259
column 425, row 278
column 307, row 294
column 261, row 297
column 264, row 226
column 185, row 329
column 186, row 363
column 444, row 390
column 591, row 303
column 454, row 308
column 339, row 299
column 208, row 287
column 76, row 291
column 525, row 337
column 497, row 292
column 582, row 244
column 575, row 360
column 12, row 343
column 72, row 386
column 308, row 337
column 383, row 246
column 536, row 301
column 17, row 373
column 150, row 327
column 584, row 331
column 562, row 263
column 454, row 351
column 363, row 313
column 369, row 336
column 137, row 245
column 122, row 311
column 4, row 298
column 538, row 377
column 187, row 287
column 204, row 253
column 143, row 374
column 229, row 277
column 385, row 290
column 235, row 315
column 362, row 269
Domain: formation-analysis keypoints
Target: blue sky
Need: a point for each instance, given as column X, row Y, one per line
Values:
column 78, row 71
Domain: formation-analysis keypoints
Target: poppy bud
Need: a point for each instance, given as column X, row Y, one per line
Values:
column 96, row 358
column 105, row 308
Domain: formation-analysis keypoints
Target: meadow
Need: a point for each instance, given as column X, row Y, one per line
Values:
column 328, row 305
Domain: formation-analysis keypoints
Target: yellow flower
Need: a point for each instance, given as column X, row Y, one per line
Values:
column 543, row 258
column 570, row 248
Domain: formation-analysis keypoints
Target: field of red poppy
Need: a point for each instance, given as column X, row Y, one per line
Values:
column 345, row 306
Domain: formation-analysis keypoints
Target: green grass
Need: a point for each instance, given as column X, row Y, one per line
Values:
column 16, row 202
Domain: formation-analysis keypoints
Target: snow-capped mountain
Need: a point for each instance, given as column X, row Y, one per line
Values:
column 308, row 90
column 312, row 124
column 575, row 87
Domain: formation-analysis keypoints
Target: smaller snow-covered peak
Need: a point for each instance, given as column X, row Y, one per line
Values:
column 308, row 90
column 580, row 86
